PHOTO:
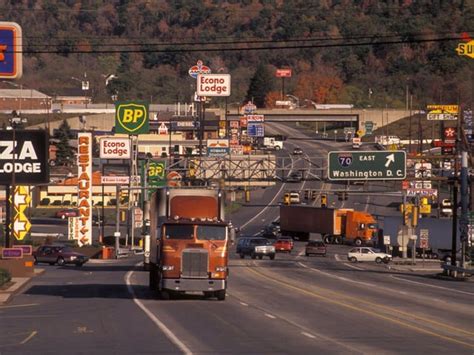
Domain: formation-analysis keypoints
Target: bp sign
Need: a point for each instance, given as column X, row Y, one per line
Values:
column 131, row 117
column 368, row 165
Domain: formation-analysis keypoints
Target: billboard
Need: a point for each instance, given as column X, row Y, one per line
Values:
column 217, row 147
column 131, row 117
column 27, row 159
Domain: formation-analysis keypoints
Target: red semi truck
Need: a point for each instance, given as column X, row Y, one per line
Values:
column 335, row 225
column 189, row 242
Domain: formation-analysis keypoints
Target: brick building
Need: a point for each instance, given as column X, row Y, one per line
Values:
column 23, row 99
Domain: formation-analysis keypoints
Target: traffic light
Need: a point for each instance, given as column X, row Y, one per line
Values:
column 286, row 199
column 324, row 200
column 314, row 195
column 414, row 216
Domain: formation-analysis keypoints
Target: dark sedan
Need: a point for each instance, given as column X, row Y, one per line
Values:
column 57, row 254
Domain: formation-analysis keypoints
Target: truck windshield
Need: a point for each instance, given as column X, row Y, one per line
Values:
column 211, row 232
column 372, row 226
column 179, row 231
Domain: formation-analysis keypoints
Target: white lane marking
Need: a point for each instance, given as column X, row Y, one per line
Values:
column 270, row 316
column 434, row 286
column 20, row 305
column 244, row 304
column 308, row 335
column 168, row 333
column 28, row 338
column 266, row 207
column 338, row 277
column 336, row 256
column 354, row 267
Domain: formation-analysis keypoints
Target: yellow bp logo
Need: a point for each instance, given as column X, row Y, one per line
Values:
column 131, row 117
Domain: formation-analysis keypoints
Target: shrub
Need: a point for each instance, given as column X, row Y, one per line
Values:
column 4, row 277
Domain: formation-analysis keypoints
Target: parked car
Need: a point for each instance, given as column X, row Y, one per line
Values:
column 295, row 176
column 297, row 151
column 59, row 254
column 255, row 247
column 315, row 247
column 283, row 245
column 67, row 212
column 368, row 254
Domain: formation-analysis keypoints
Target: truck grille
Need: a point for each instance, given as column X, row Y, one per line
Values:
column 195, row 263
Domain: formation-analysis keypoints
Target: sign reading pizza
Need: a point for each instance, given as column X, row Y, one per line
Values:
column 26, row 156
column 84, row 188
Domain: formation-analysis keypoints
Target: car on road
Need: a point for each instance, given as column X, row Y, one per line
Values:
column 255, row 247
column 283, row 245
column 295, row 176
column 59, row 254
column 315, row 247
column 271, row 231
column 368, row 254
column 295, row 197
column 297, row 151
column 67, row 212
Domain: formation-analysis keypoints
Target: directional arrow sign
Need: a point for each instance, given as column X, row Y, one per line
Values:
column 368, row 165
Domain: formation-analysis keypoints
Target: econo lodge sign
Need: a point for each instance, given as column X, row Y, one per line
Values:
column 213, row 85
column 115, row 148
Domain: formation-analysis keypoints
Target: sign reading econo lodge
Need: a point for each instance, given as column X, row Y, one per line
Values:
column 28, row 160
column 213, row 85
column 84, row 187
column 115, row 148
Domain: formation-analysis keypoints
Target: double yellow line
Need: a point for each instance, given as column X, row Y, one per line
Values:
column 373, row 313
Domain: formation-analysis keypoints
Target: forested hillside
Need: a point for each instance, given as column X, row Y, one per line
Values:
column 364, row 52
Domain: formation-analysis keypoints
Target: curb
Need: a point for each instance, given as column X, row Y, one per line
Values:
column 102, row 261
column 18, row 284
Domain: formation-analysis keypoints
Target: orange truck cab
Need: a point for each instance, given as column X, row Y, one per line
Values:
column 189, row 242
column 359, row 227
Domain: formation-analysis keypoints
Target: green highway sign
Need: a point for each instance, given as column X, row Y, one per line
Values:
column 367, row 165
column 131, row 117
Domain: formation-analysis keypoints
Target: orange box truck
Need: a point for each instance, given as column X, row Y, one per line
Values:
column 335, row 225
column 189, row 242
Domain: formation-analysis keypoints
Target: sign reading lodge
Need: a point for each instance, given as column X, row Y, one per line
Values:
column 367, row 165
column 131, row 117
column 28, row 158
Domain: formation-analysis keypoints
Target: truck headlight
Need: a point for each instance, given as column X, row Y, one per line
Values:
column 73, row 257
column 167, row 267
column 221, row 268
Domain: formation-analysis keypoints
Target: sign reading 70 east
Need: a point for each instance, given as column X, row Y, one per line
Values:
column 367, row 165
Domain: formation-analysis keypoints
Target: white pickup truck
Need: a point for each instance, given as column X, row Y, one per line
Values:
column 272, row 143
column 387, row 140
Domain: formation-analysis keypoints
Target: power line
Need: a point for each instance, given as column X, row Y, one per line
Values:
column 233, row 49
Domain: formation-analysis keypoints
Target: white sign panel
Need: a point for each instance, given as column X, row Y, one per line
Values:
column 84, row 187
column 115, row 180
column 213, row 85
column 115, row 148
column 73, row 228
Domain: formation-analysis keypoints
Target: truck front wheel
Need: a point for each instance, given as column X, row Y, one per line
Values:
column 220, row 295
column 358, row 242
column 328, row 239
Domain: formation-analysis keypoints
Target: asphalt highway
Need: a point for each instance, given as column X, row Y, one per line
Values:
column 291, row 305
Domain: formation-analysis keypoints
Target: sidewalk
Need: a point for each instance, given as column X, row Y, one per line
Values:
column 17, row 284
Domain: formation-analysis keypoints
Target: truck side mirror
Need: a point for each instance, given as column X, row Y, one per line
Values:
column 362, row 226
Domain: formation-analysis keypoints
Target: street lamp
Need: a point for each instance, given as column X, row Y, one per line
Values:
column 85, row 86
